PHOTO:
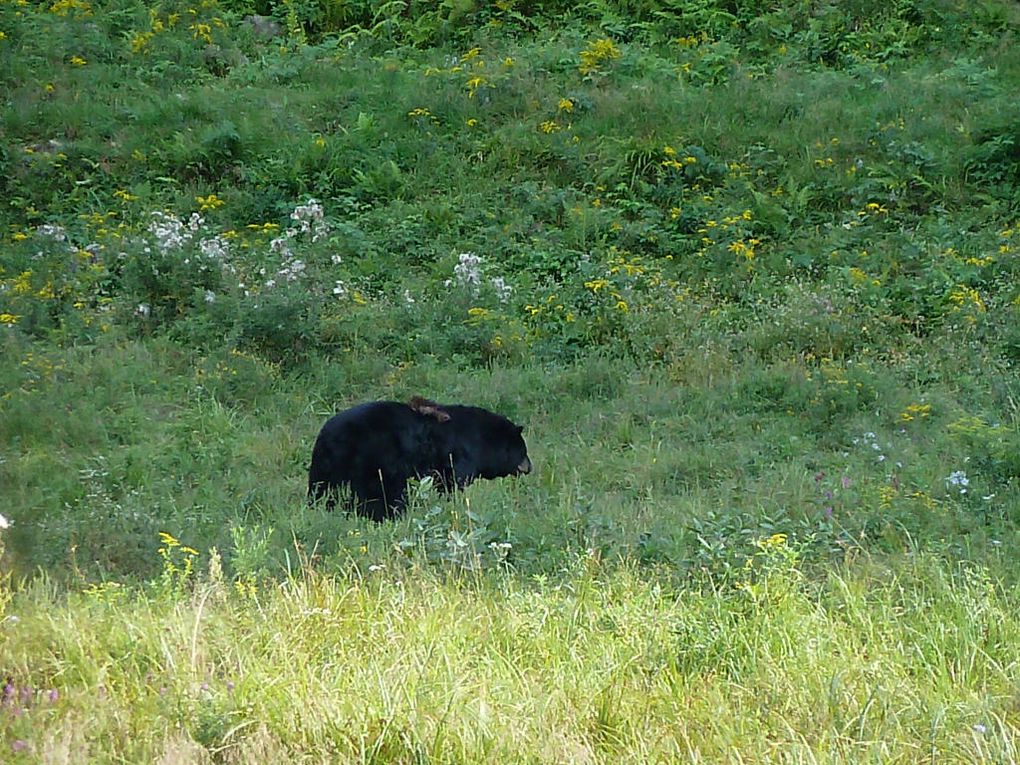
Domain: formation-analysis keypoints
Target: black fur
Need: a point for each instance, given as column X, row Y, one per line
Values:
column 372, row 449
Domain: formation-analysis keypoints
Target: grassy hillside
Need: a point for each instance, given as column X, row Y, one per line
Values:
column 746, row 272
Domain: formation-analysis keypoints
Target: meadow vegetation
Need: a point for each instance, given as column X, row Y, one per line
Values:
column 747, row 272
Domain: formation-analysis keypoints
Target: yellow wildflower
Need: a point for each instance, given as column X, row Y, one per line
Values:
column 474, row 84
column 597, row 53
column 915, row 410
column 210, row 202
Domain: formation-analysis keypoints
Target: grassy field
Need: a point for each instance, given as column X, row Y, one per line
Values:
column 746, row 272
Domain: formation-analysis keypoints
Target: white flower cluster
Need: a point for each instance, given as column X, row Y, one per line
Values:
column 309, row 218
column 503, row 290
column 468, row 270
column 310, row 221
column 959, row 479
column 870, row 440
column 468, row 273
column 168, row 234
column 216, row 248
column 281, row 245
column 53, row 231
column 292, row 271
column 173, row 233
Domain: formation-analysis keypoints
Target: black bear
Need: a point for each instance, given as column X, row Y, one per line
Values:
column 372, row 449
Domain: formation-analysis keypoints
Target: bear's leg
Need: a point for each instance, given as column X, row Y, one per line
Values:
column 380, row 495
column 317, row 490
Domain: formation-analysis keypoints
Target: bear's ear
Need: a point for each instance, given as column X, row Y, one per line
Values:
column 428, row 408
column 520, row 429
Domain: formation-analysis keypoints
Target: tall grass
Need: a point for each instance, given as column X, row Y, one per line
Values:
column 605, row 664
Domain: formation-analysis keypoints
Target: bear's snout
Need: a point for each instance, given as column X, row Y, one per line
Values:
column 525, row 467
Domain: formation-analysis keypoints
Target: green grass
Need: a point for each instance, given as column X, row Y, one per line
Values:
column 608, row 663
column 762, row 320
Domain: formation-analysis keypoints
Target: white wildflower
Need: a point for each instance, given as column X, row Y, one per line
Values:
column 143, row 310
column 959, row 479
column 215, row 248
column 210, row 296
column 280, row 245
column 340, row 289
column 52, row 231
column 171, row 233
column 310, row 220
column 292, row 271
column 503, row 290
column 468, row 270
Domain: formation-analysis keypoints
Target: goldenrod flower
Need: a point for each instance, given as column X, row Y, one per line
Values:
column 915, row 410
column 210, row 202
column 596, row 54
column 474, row 84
